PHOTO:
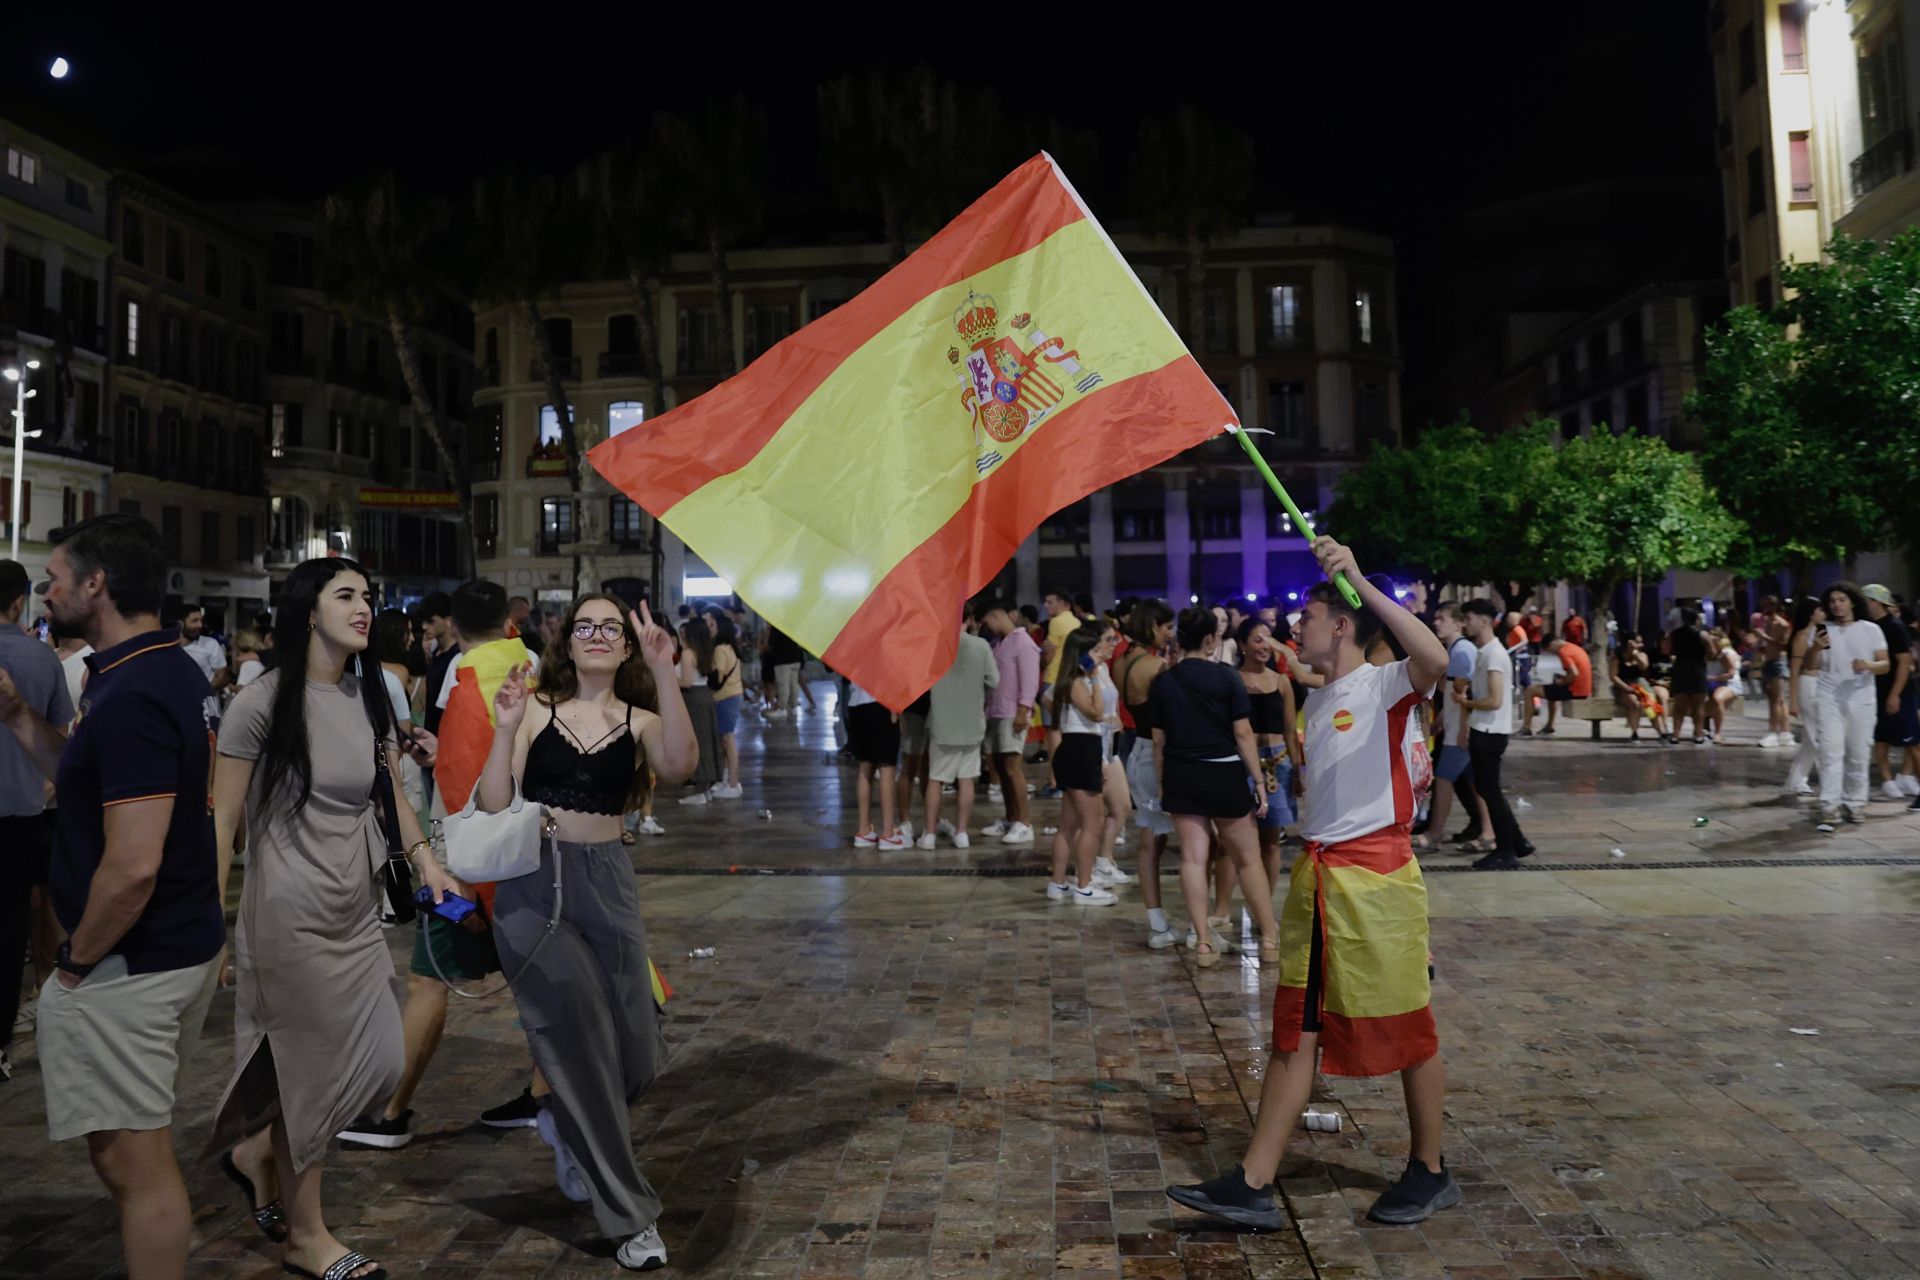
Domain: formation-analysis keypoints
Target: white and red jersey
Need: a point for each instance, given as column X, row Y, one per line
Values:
column 1358, row 778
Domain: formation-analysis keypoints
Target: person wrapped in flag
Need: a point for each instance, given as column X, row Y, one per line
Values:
column 1353, row 988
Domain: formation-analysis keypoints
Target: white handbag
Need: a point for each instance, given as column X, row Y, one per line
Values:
column 490, row 847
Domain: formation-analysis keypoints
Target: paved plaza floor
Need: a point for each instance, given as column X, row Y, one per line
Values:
column 1697, row 1059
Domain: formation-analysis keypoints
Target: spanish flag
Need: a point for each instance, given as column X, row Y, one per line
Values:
column 865, row 476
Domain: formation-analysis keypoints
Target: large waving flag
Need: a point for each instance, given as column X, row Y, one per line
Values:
column 861, row 479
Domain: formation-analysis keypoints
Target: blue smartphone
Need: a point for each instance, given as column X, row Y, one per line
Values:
column 452, row 907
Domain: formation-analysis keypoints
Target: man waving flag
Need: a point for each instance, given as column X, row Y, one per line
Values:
column 865, row 476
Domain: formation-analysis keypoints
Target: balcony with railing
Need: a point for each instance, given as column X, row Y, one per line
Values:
column 486, row 470
column 616, row 364
column 1882, row 161
column 294, row 458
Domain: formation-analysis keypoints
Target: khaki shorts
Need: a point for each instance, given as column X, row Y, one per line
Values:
column 111, row 1048
column 1005, row 738
column 951, row 764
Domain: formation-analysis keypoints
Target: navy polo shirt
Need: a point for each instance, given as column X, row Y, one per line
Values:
column 142, row 735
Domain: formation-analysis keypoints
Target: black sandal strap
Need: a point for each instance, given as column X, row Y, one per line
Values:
column 347, row 1266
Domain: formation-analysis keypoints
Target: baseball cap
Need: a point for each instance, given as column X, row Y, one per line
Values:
column 1874, row 591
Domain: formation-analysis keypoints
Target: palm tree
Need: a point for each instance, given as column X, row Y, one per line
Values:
column 528, row 242
column 1191, row 177
column 717, row 168
column 630, row 217
column 381, row 252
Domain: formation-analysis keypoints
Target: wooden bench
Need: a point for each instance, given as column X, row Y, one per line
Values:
column 1595, row 711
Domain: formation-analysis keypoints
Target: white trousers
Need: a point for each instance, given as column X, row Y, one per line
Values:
column 1805, row 759
column 1846, row 749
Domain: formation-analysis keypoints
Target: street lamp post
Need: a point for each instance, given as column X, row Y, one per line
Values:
column 20, row 397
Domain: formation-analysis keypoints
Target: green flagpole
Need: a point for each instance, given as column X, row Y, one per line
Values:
column 1300, row 522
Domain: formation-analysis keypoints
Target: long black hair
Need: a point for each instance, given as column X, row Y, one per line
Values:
column 286, row 760
column 1080, row 642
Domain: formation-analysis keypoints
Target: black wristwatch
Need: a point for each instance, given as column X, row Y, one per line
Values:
column 63, row 960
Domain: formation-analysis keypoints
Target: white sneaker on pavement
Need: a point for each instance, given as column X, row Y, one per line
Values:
column 1106, row 871
column 996, row 828
column 1058, row 892
column 644, row 1252
column 1892, row 791
column 1908, row 784
column 1018, row 833
column 865, row 840
column 1092, row 896
column 904, row 831
column 927, row 841
column 698, row 797
column 1770, row 740
column 723, row 791
column 893, row 844
column 944, row 827
column 1162, row 940
column 960, row 840
column 650, row 826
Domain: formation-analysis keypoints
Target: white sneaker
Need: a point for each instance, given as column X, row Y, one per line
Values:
column 1770, row 740
column 1908, row 784
column 1018, row 833
column 644, row 1252
column 996, row 828
column 1892, row 791
column 650, row 826
column 1805, row 789
column 698, row 797
column 1162, row 940
column 993, row 791
column 865, row 840
column 722, row 791
column 893, row 844
column 944, row 827
column 961, row 840
column 1092, row 896
column 927, row 841
column 1058, row 892
column 778, row 713
column 904, row 831
column 1120, row 838
column 1106, row 871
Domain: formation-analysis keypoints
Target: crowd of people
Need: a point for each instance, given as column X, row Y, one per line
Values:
column 329, row 737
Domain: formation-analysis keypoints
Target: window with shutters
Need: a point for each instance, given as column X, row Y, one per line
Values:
column 1793, row 38
column 1800, row 167
column 556, row 524
column 624, row 525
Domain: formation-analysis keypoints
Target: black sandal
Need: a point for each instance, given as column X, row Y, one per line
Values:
column 340, row 1270
column 271, row 1219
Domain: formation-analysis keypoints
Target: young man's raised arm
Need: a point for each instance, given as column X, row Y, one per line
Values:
column 1426, row 656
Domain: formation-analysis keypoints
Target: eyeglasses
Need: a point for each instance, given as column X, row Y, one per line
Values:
column 605, row 630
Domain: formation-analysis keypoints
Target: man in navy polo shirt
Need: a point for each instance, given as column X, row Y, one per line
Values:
column 135, row 882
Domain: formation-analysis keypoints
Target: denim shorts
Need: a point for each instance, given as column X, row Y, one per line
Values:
column 1280, row 802
column 726, row 714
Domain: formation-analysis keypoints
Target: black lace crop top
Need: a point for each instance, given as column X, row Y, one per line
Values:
column 597, row 779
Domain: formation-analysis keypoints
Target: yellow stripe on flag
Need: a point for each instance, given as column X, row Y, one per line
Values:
column 883, row 454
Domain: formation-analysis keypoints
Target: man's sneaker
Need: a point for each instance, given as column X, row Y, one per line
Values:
column 1162, row 940
column 727, row 791
column 893, row 844
column 1018, row 833
column 1417, row 1196
column 650, row 826
column 1804, row 789
column 995, row 829
column 865, row 840
column 927, row 841
column 1497, row 861
column 1549, row 729
column 645, row 1252
column 1891, row 791
column 1107, row 872
column 566, row 1170
column 1829, row 821
column 960, row 840
column 381, row 1135
column 698, row 797
column 1852, row 816
column 1915, row 806
column 1908, row 784
column 1229, row 1198
column 518, row 1114
column 1092, row 896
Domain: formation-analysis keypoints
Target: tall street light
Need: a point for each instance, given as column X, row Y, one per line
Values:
column 20, row 397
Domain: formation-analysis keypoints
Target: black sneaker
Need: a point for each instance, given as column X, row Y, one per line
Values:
column 1467, row 836
column 380, row 1135
column 1497, row 861
column 1230, row 1198
column 522, row 1113
column 1416, row 1196
column 1915, row 806
column 1526, row 850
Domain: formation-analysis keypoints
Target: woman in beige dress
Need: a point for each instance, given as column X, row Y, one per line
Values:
column 317, row 1018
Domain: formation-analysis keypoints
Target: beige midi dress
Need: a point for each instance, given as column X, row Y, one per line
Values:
column 317, row 1037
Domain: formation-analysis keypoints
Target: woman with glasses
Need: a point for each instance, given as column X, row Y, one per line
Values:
column 607, row 719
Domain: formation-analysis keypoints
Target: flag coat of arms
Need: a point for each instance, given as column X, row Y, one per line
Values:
column 866, row 475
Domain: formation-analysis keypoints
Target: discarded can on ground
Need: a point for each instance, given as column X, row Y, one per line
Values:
column 766, row 815
column 1699, row 822
column 700, row 953
column 1322, row 1121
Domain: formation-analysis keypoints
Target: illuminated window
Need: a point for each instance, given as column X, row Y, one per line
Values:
column 623, row 414
column 1363, row 315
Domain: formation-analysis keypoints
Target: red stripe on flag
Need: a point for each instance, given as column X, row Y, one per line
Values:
column 735, row 420
column 905, row 635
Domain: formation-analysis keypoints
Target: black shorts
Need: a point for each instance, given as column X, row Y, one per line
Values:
column 1902, row 728
column 1076, row 765
column 1559, row 693
column 1206, row 789
column 766, row 671
column 874, row 735
column 27, row 841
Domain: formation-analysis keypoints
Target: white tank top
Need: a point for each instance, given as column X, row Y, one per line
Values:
column 1074, row 722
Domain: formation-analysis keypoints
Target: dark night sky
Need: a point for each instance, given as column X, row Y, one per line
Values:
column 1394, row 122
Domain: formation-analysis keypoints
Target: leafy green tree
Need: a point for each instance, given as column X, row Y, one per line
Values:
column 1812, row 411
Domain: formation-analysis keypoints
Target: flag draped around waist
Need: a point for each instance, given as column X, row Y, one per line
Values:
column 1368, row 900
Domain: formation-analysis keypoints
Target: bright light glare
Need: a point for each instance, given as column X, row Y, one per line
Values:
column 1293, row 595
column 1193, row 599
column 1252, row 596
column 705, row 587
column 59, row 69
column 13, row 375
column 33, row 364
